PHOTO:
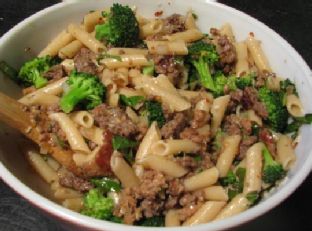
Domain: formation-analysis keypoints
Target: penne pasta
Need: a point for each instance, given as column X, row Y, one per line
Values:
column 41, row 166
column 152, row 27
column 201, row 180
column 253, row 178
column 186, row 36
column 230, row 147
column 155, row 87
column 73, row 136
column 127, row 51
column 215, row 193
column 294, row 105
column 86, row 39
column 171, row 147
column 242, row 65
column 217, row 110
column 285, row 152
column 136, row 60
column 227, row 30
column 54, row 88
column 257, row 54
column 237, row 205
column 92, row 19
column 206, row 213
column 177, row 47
column 190, row 22
column 94, row 134
column 83, row 118
column 152, row 136
column 161, row 164
column 56, row 44
column 123, row 171
column 70, row 50
column 172, row 218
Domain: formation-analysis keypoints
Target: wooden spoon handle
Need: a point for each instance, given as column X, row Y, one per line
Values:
column 12, row 113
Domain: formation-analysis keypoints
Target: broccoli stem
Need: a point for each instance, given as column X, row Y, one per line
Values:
column 268, row 159
column 205, row 77
column 39, row 80
column 72, row 98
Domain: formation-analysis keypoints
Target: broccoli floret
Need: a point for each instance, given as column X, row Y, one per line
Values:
column 245, row 81
column 106, row 184
column 31, row 72
column 203, row 56
column 288, row 87
column 229, row 179
column 154, row 112
column 98, row 206
column 149, row 70
column 272, row 171
column 121, row 28
column 83, row 88
column 131, row 101
column 156, row 221
column 298, row 122
column 277, row 112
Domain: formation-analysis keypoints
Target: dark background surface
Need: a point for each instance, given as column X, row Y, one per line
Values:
column 291, row 19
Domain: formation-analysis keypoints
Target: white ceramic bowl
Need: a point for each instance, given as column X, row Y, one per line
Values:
column 37, row 30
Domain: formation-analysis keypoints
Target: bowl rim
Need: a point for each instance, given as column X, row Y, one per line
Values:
column 95, row 224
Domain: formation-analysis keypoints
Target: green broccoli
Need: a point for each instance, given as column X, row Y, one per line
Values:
column 31, row 72
column 121, row 28
column 288, row 87
column 231, row 82
column 106, row 184
column 131, row 101
column 156, row 221
column 272, row 171
column 298, row 122
column 277, row 112
column 98, row 206
column 83, row 88
column 203, row 56
column 253, row 198
column 149, row 70
column 229, row 179
column 154, row 112
column 245, row 80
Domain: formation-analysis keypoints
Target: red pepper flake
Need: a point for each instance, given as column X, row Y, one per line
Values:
column 158, row 13
column 266, row 136
column 104, row 155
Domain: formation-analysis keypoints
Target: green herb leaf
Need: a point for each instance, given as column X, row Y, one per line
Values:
column 120, row 142
column 106, row 184
column 131, row 101
column 253, row 197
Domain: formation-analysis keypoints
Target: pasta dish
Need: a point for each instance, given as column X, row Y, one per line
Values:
column 160, row 123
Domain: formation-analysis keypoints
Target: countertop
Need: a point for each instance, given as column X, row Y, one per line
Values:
column 291, row 19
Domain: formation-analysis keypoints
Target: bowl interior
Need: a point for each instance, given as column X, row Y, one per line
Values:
column 35, row 33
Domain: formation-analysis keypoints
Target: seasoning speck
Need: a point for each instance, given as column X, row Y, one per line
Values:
column 158, row 13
